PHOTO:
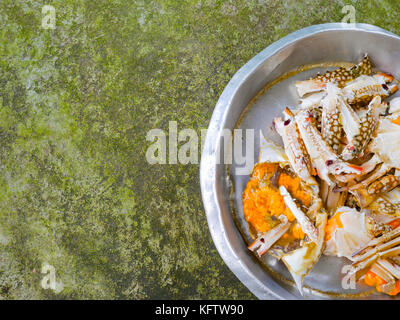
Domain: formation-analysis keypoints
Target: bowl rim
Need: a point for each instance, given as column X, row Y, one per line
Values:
column 238, row 264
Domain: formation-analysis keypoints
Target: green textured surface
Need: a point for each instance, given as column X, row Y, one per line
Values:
column 75, row 106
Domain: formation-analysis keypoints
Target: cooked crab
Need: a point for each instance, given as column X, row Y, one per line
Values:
column 363, row 89
column 324, row 159
column 385, row 246
column 384, row 274
column 282, row 211
column 385, row 162
column 340, row 157
column 386, row 207
column 340, row 76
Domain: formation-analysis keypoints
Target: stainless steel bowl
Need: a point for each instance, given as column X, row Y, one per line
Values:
column 221, row 188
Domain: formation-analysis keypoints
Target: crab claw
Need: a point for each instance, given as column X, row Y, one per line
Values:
column 324, row 159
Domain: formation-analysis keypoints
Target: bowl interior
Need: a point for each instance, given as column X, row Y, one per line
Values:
column 318, row 44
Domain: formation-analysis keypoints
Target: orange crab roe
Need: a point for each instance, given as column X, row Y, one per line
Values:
column 261, row 200
column 373, row 280
column 396, row 121
column 333, row 224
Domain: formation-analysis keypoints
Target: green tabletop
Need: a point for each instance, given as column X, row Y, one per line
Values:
column 83, row 215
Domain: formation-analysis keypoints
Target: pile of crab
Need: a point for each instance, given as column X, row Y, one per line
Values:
column 343, row 143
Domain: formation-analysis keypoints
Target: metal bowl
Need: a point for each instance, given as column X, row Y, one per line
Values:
column 237, row 107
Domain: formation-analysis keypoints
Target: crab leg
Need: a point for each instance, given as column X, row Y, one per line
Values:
column 331, row 125
column 323, row 157
column 360, row 267
column 368, row 124
column 380, row 271
column 394, row 269
column 377, row 241
column 380, row 248
column 298, row 157
column 383, row 273
column 294, row 147
column 384, row 184
column 305, row 223
column 267, row 239
column 384, row 168
column 367, row 167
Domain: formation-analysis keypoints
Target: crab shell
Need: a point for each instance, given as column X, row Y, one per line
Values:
column 301, row 261
column 350, row 235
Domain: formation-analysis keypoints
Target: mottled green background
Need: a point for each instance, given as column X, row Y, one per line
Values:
column 76, row 103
